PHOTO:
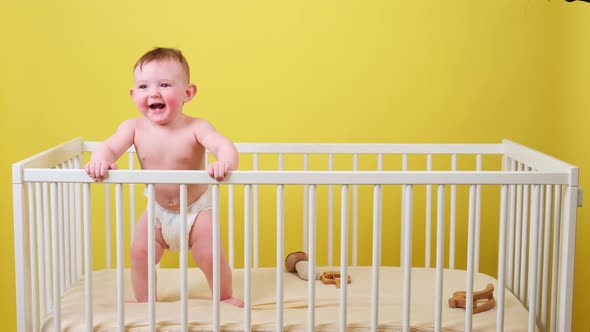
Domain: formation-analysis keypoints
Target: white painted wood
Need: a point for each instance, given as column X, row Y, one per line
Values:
column 453, row 216
column 312, row 260
column 120, row 237
column 500, row 292
column 230, row 224
column 407, row 268
column 355, row 212
column 546, row 252
column 21, row 257
column 440, row 254
column 55, row 241
column 330, row 214
column 280, row 254
column 305, row 205
column 88, row 256
column 376, row 258
column 428, row 213
column 308, row 177
column 107, row 224
column 40, row 261
column 343, row 255
column 477, row 214
column 255, row 215
column 247, row 257
column 403, row 213
column 33, row 257
column 568, row 253
column 151, row 234
column 470, row 259
column 360, row 148
column 184, row 236
column 216, row 259
column 132, row 219
column 555, row 268
column 533, row 252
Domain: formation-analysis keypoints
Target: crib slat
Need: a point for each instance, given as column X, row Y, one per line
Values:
column 566, row 273
column 477, row 214
column 546, row 251
column 470, row 258
column 66, row 235
column 533, row 251
column 428, row 221
column 312, row 259
column 376, row 258
column 511, row 230
column 502, row 258
column 107, row 224
column 151, row 257
column 120, row 255
column 539, row 270
column 280, row 254
column 47, row 242
column 355, row 213
column 216, row 257
column 305, row 212
column 343, row 255
column 518, row 236
column 183, row 259
column 408, row 203
column 60, row 236
column 40, row 261
column 132, row 220
column 88, row 256
column 33, row 258
column 453, row 216
column 72, row 226
column 247, row 256
column 440, row 254
column 255, row 213
column 403, row 209
column 230, row 224
column 56, row 259
column 79, row 220
column 524, row 243
column 330, row 214
column 556, row 245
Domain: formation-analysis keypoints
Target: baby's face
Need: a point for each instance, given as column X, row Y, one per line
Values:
column 161, row 88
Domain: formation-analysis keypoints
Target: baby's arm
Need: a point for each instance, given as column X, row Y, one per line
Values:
column 222, row 148
column 110, row 150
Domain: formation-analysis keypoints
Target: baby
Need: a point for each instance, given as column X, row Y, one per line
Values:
column 167, row 139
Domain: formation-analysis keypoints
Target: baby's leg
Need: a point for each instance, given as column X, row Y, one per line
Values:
column 201, row 244
column 139, row 257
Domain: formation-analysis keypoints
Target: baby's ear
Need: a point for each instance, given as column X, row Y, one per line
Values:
column 131, row 92
column 190, row 92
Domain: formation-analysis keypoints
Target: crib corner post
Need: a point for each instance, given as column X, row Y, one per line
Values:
column 566, row 265
column 21, row 255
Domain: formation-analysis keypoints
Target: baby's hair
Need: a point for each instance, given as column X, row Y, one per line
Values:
column 163, row 53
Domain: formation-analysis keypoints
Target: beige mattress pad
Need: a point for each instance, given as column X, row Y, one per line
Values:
column 295, row 304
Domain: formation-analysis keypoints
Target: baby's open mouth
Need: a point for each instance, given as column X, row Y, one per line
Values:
column 157, row 106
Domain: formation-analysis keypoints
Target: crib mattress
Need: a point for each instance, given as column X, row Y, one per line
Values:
column 263, row 298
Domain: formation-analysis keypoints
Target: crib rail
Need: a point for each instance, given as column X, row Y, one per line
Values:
column 537, row 204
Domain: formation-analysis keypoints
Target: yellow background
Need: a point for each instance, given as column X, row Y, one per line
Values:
column 308, row 71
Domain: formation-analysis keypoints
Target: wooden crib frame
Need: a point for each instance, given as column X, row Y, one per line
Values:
column 39, row 194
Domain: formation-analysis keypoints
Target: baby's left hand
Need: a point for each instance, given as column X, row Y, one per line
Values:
column 218, row 170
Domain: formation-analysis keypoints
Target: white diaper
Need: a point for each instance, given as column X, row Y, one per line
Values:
column 169, row 221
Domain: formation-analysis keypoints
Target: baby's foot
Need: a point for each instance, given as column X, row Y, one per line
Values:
column 233, row 301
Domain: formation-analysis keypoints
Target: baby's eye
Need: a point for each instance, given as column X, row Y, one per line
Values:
column 165, row 85
column 142, row 86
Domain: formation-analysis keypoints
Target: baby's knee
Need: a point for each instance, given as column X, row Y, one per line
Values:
column 139, row 250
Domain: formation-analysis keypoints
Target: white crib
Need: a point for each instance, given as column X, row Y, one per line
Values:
column 530, row 198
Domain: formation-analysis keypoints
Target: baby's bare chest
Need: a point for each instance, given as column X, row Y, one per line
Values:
column 177, row 151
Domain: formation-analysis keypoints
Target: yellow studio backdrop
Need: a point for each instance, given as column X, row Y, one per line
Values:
column 305, row 71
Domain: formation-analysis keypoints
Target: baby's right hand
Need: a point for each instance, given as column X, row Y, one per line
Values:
column 97, row 169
